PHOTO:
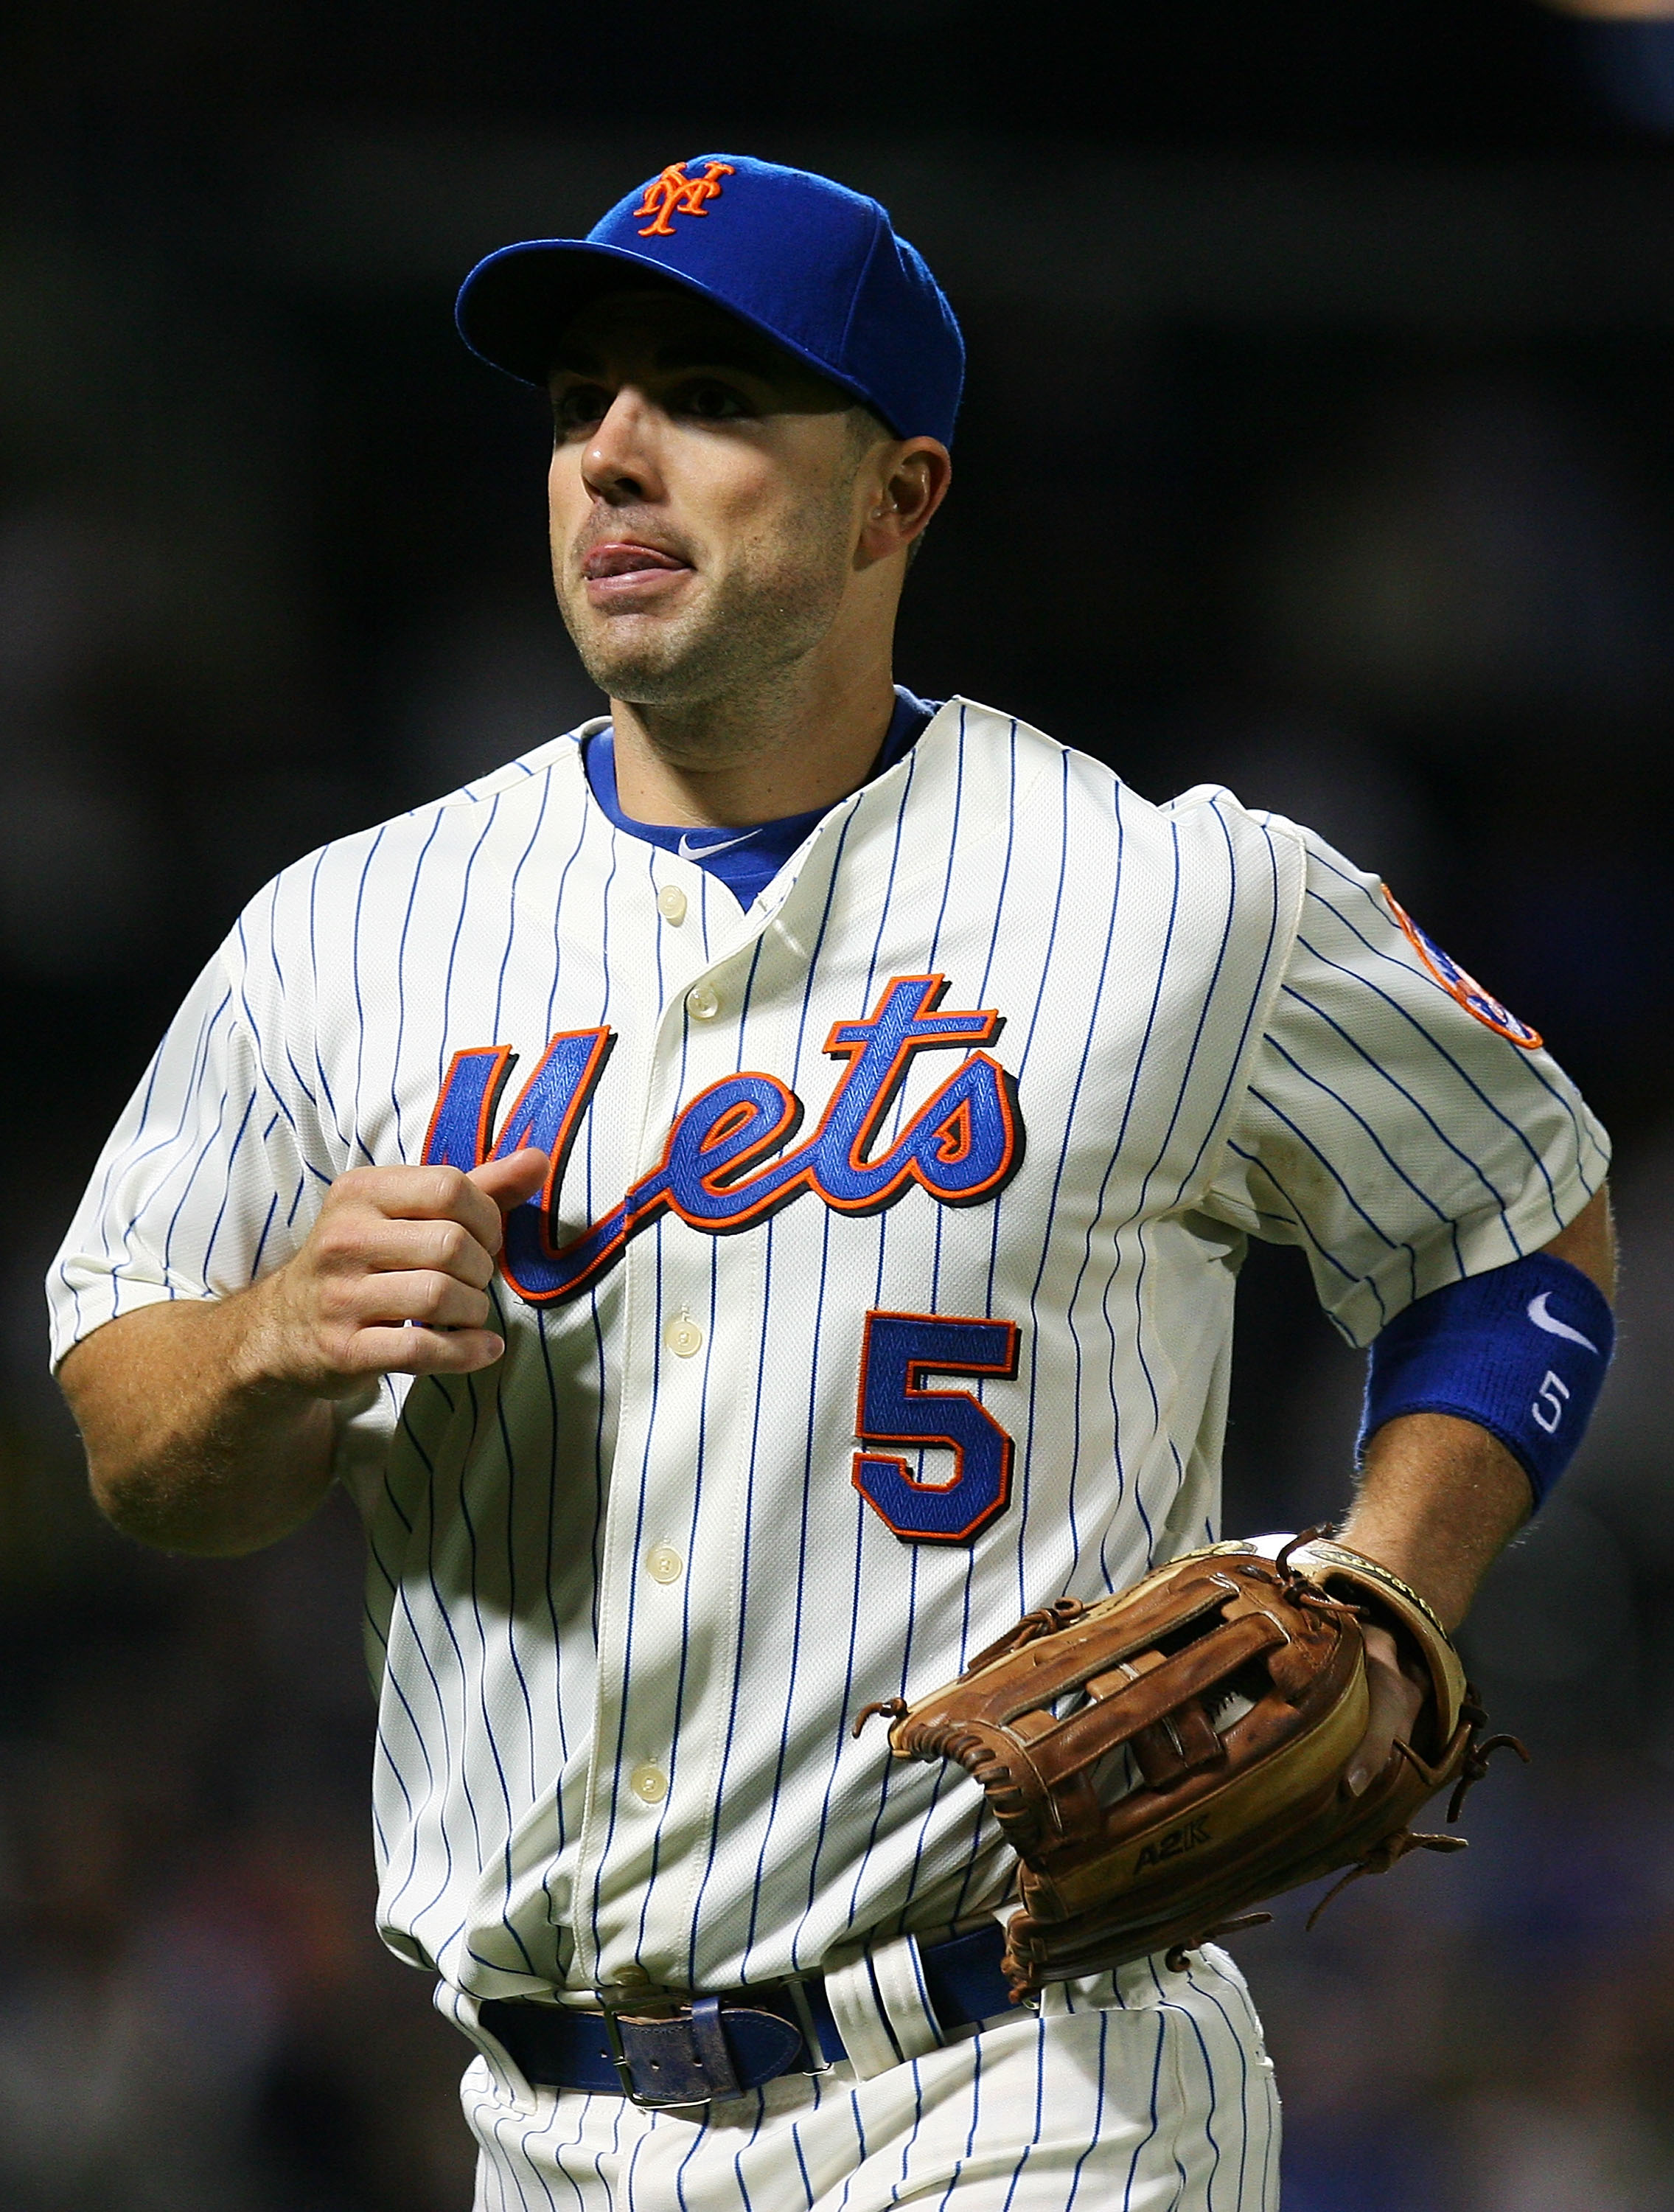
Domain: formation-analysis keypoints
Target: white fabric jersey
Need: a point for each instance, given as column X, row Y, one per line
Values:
column 886, row 1290
column 1146, row 2091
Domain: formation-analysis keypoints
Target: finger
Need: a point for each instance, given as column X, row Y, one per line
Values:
column 1394, row 1705
column 426, row 1351
column 439, row 1301
column 510, row 1181
column 370, row 1244
column 422, row 1194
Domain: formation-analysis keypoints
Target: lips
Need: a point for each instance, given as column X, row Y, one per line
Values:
column 627, row 557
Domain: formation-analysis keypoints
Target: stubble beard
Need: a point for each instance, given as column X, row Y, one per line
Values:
column 767, row 612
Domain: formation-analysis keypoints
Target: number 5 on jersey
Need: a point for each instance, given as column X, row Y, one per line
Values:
column 900, row 1351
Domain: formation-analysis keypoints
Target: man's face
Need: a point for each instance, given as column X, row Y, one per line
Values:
column 704, row 499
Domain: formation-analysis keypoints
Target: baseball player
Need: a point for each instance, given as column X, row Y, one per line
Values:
column 747, row 1198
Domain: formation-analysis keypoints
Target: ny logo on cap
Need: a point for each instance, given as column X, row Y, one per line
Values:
column 676, row 193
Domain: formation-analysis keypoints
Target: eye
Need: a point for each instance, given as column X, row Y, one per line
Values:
column 578, row 407
column 710, row 399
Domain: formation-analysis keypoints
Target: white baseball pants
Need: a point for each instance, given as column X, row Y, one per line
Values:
column 1147, row 2091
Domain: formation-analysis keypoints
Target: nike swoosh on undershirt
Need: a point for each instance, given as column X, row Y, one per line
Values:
column 689, row 851
column 1553, row 1326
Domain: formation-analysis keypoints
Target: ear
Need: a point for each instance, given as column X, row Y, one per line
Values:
column 905, row 481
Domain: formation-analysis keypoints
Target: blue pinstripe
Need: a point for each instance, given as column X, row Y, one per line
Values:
column 1442, row 1054
column 1178, row 1041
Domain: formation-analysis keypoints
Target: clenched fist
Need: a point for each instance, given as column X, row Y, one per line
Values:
column 392, row 1247
column 208, row 1422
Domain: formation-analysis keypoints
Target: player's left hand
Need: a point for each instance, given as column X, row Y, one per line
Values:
column 1398, row 1696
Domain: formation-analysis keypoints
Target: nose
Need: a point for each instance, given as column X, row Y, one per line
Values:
column 619, row 465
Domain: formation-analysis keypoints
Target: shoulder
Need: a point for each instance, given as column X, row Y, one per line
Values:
column 1206, row 834
column 490, row 812
column 343, row 920
column 407, row 863
column 1045, row 765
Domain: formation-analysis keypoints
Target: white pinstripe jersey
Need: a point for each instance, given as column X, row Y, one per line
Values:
column 626, row 1588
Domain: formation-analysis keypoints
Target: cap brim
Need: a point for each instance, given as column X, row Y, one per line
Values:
column 512, row 308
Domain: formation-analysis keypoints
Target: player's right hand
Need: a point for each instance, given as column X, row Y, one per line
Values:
column 392, row 1247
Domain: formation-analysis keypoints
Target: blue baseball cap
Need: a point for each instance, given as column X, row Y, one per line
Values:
column 816, row 268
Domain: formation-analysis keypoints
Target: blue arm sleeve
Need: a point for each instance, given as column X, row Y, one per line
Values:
column 1521, row 1349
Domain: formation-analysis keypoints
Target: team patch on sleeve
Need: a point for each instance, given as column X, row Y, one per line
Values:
column 1458, row 984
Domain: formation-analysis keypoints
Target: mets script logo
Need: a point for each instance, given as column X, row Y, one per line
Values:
column 1459, row 985
column 676, row 193
column 726, row 1166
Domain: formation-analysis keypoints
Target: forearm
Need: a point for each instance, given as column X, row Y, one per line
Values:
column 1438, row 1500
column 190, row 1446
column 208, row 1422
column 1440, row 1497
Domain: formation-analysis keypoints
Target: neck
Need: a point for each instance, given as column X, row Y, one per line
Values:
column 801, row 739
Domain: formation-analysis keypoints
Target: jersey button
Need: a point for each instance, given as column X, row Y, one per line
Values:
column 683, row 1336
column 702, row 1004
column 663, row 1563
column 671, row 904
column 649, row 1783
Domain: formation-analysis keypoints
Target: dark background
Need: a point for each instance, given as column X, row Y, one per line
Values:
column 1319, row 441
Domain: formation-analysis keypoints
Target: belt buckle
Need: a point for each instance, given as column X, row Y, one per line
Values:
column 612, row 2004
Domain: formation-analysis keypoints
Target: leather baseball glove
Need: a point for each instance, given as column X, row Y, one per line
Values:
column 1167, row 1757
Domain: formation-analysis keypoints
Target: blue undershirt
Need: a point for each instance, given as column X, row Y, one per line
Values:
column 745, row 860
